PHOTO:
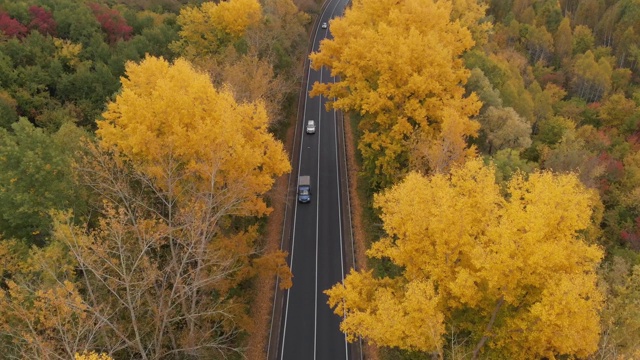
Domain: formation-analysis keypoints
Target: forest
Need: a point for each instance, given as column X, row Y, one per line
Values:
column 499, row 151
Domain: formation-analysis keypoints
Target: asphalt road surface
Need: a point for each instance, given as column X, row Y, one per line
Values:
column 309, row 330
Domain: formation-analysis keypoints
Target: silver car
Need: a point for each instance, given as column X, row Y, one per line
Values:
column 311, row 127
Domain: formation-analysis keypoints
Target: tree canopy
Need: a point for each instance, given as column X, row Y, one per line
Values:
column 398, row 84
column 155, row 124
column 516, row 269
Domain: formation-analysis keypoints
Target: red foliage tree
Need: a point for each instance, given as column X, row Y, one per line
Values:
column 11, row 27
column 614, row 168
column 557, row 78
column 632, row 237
column 42, row 21
column 112, row 23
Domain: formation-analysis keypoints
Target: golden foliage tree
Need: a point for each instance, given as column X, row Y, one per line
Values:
column 513, row 269
column 253, row 47
column 42, row 313
column 400, row 69
column 212, row 26
column 174, row 126
column 92, row 356
column 471, row 14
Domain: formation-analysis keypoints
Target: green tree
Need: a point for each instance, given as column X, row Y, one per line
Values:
column 480, row 84
column 513, row 88
column 539, row 44
column 76, row 22
column 552, row 130
column 571, row 155
column 8, row 114
column 509, row 162
column 36, row 178
column 589, row 12
column 563, row 41
column 591, row 79
column 504, row 128
column 619, row 112
column 583, row 39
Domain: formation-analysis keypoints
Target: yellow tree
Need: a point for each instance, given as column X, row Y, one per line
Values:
column 174, row 126
column 512, row 268
column 207, row 29
column 92, row 356
column 399, row 67
column 42, row 314
column 247, row 45
column 471, row 14
column 207, row 160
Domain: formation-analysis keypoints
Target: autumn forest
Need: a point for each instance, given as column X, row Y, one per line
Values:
column 498, row 153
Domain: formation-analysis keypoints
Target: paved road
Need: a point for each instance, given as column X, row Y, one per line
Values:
column 309, row 330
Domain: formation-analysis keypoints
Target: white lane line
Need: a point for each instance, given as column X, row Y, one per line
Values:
column 315, row 320
column 315, row 299
column 346, row 168
column 335, row 130
column 339, row 198
column 295, row 214
column 346, row 343
column 335, row 134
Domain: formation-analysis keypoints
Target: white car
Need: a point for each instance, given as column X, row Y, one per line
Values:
column 325, row 25
column 311, row 127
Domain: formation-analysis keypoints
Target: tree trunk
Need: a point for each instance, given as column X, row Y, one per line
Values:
column 485, row 337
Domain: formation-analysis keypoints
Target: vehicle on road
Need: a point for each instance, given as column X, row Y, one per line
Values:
column 325, row 25
column 304, row 189
column 311, row 127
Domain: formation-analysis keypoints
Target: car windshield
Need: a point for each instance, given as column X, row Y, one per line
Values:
column 304, row 192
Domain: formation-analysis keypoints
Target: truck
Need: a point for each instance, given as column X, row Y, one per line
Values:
column 304, row 189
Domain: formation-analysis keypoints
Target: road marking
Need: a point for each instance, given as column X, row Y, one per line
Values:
column 335, row 129
column 315, row 298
